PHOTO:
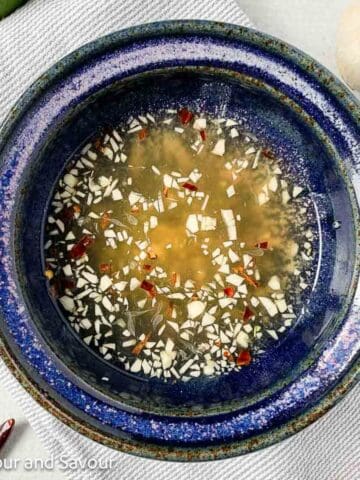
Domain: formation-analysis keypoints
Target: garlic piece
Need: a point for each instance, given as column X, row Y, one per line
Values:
column 105, row 283
column 207, row 319
column 134, row 283
column 209, row 368
column 269, row 305
column 68, row 303
column 70, row 180
column 229, row 220
column 219, row 148
column 166, row 359
column 242, row 339
column 348, row 45
column 195, row 309
column 274, row 283
column 192, row 225
column 136, row 366
column 234, row 279
column 200, row 124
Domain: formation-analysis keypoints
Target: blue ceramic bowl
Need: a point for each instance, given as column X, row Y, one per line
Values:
column 292, row 104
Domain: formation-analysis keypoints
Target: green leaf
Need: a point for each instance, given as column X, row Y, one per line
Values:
column 8, row 6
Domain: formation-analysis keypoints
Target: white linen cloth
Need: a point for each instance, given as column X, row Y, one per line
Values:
column 31, row 40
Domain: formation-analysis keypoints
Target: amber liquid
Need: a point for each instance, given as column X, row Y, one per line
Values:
column 272, row 222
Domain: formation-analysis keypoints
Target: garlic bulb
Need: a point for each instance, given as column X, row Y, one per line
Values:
column 348, row 45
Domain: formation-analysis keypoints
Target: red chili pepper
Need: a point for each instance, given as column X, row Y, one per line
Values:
column 185, row 116
column 97, row 144
column 105, row 267
column 229, row 291
column 190, row 186
column 114, row 294
column 143, row 133
column 79, row 249
column 67, row 284
column 241, row 271
column 60, row 284
column 262, row 245
column 67, row 214
column 244, row 358
column 203, row 135
column 5, row 430
column 229, row 356
column 268, row 153
column 139, row 346
column 248, row 314
column 151, row 253
column 148, row 287
column 147, row 267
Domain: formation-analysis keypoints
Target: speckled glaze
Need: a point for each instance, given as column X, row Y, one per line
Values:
column 326, row 360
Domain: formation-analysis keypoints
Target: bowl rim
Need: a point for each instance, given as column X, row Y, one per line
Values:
column 348, row 101
column 178, row 454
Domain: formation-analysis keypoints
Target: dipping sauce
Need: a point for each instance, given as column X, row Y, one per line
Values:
column 178, row 246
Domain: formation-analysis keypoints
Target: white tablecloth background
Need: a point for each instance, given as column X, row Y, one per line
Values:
column 31, row 40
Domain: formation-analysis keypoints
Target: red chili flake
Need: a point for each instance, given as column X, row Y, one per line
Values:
column 140, row 345
column 97, row 144
column 60, row 284
column 114, row 294
column 203, row 135
column 5, row 430
column 147, row 267
column 151, row 253
column 135, row 209
column 143, row 133
column 190, row 186
column 244, row 358
column 175, row 279
column 105, row 220
column 67, row 284
column 77, row 208
column 169, row 310
column 67, row 214
column 229, row 291
column 148, row 287
column 166, row 191
column 228, row 356
column 262, row 245
column 248, row 314
column 268, row 153
column 241, row 271
column 79, row 249
column 105, row 267
column 185, row 116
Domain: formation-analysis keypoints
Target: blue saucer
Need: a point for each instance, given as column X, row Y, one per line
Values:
column 290, row 103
